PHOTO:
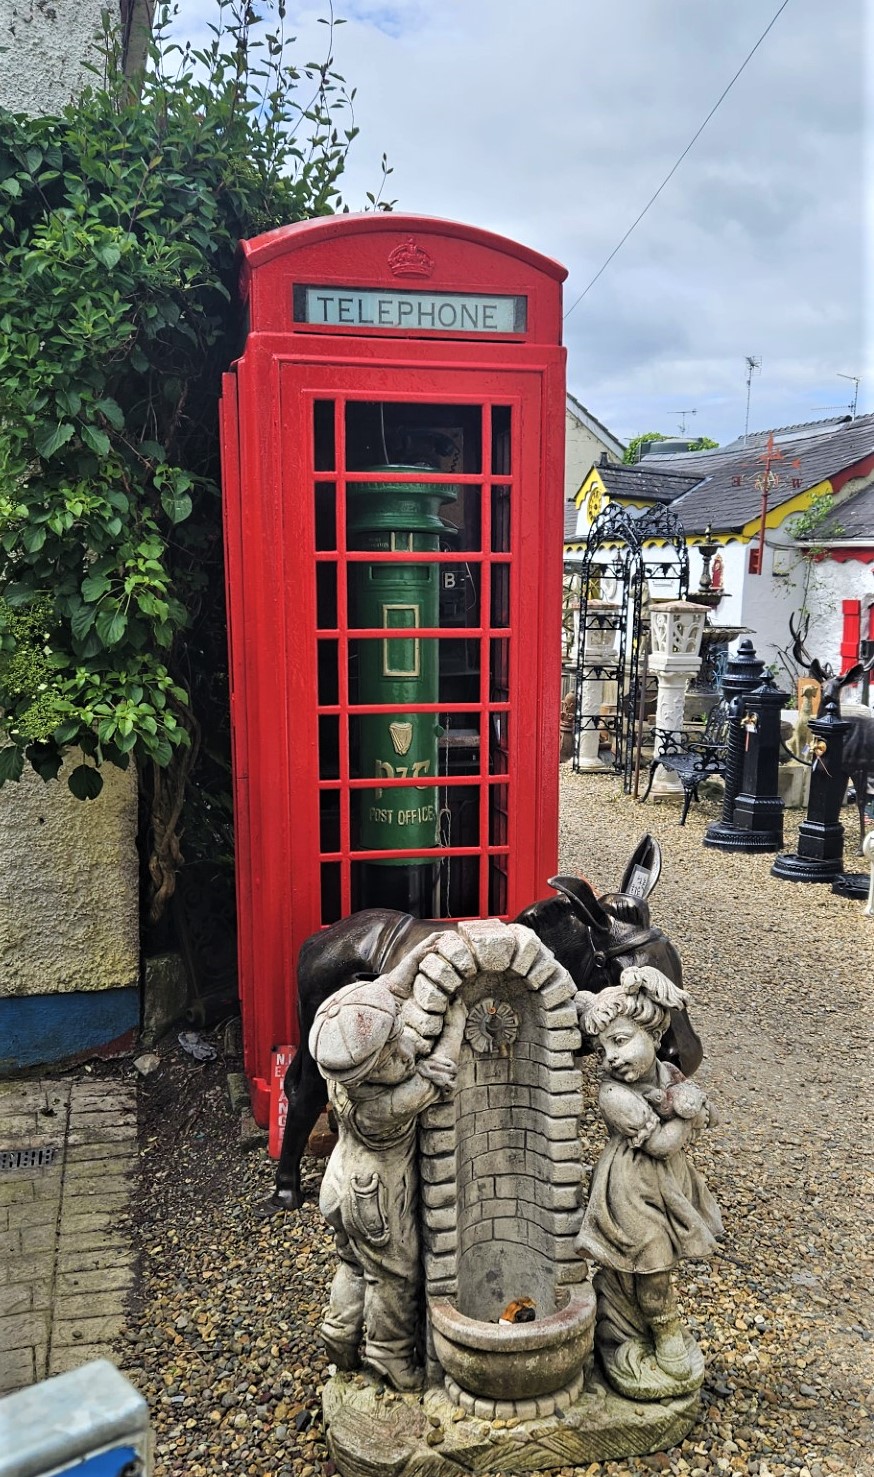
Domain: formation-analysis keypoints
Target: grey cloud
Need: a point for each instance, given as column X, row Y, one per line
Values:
column 553, row 121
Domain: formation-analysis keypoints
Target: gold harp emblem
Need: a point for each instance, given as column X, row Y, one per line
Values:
column 401, row 736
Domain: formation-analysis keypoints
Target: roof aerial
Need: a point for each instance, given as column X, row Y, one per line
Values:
column 785, row 433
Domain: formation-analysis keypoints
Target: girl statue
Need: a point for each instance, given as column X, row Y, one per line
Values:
column 369, row 1193
column 648, row 1206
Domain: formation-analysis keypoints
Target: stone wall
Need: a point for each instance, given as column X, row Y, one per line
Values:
column 69, row 925
column 69, row 895
column 49, row 43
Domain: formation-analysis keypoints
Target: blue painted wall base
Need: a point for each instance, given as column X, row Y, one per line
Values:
column 36, row 1030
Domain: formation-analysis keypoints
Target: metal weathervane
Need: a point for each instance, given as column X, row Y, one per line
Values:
column 766, row 482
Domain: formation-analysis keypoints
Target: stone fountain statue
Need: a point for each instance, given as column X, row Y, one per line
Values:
column 649, row 1207
column 462, row 1320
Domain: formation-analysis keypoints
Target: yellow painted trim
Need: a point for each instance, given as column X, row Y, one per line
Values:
column 775, row 516
column 591, row 481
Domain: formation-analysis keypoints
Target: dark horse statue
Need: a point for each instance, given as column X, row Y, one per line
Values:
column 595, row 939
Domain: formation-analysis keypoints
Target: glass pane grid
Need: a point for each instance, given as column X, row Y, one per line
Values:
column 495, row 503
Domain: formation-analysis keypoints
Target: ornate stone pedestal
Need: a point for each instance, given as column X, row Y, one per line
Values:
column 375, row 1432
column 600, row 651
column 676, row 628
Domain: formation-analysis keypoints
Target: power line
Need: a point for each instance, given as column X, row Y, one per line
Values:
column 673, row 171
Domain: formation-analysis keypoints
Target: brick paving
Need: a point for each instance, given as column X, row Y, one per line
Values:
column 66, row 1256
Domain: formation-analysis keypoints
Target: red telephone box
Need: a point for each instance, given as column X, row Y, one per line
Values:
column 393, row 449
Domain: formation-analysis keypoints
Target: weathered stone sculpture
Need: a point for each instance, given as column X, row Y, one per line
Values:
column 457, row 1069
column 648, row 1207
column 868, row 854
column 370, row 1190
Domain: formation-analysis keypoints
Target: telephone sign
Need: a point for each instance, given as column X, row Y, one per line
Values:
column 447, row 312
column 393, row 455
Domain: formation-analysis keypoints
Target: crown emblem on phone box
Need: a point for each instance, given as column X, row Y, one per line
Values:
column 410, row 260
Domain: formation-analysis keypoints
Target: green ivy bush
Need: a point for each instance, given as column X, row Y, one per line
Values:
column 119, row 226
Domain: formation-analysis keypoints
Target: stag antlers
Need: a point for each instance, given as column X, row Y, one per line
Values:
column 825, row 675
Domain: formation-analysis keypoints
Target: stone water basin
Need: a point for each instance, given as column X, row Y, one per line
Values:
column 515, row 1361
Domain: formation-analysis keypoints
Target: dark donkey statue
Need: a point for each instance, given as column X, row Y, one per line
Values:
column 595, row 939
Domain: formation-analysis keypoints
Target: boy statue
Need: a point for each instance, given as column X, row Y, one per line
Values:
column 369, row 1194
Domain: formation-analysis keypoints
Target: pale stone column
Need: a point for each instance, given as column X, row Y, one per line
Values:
column 676, row 628
column 600, row 651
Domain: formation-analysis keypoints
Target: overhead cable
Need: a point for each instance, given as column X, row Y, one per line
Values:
column 673, row 171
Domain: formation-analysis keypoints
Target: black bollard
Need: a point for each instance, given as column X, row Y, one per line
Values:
column 743, row 674
column 820, row 854
column 758, row 809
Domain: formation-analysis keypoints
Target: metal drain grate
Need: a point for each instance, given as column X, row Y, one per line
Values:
column 33, row 1158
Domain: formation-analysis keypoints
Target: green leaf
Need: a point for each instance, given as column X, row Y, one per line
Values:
column 85, row 782
column 110, row 256
column 161, row 752
column 113, row 412
column 18, row 595
column 46, row 760
column 93, row 586
column 53, row 439
column 177, row 505
column 111, row 626
column 98, row 441
column 81, row 621
column 11, row 764
column 66, row 732
column 33, row 537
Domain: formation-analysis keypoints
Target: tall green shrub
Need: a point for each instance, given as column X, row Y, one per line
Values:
column 119, row 225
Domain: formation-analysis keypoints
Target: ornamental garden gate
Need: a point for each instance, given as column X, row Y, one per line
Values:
column 392, row 461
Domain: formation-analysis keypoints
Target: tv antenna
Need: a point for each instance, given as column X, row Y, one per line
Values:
column 852, row 408
column 856, row 381
column 682, row 414
column 754, row 364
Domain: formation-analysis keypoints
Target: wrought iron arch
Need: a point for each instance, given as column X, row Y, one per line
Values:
column 636, row 551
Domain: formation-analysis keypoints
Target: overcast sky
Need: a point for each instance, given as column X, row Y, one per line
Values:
column 553, row 121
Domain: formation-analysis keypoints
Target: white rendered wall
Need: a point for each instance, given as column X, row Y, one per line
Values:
column 47, row 44
column 582, row 449
column 68, row 885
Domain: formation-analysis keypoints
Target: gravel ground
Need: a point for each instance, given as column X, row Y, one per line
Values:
column 223, row 1337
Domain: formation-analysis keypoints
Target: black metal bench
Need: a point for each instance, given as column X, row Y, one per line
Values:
column 693, row 759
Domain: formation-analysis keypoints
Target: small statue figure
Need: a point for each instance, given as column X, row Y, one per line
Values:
column 801, row 736
column 369, row 1193
column 648, row 1207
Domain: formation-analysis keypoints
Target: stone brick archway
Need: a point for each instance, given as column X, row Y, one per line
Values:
column 501, row 1165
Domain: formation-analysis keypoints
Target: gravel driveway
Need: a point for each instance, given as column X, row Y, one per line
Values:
column 223, row 1339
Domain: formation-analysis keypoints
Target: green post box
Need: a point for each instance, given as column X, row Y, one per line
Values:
column 397, row 517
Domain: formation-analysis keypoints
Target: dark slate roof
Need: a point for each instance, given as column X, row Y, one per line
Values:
column 783, row 433
column 853, row 519
column 655, row 484
column 725, row 493
column 641, row 483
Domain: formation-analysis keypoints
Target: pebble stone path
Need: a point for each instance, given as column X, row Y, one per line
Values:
column 66, row 1259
